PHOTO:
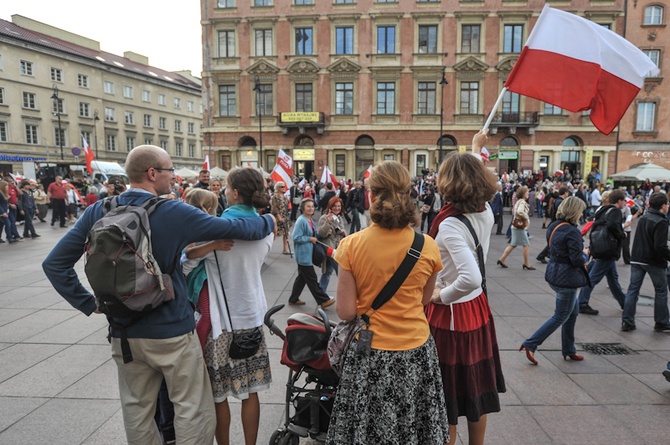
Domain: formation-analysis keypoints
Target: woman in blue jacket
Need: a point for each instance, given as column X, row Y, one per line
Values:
column 566, row 274
column 304, row 238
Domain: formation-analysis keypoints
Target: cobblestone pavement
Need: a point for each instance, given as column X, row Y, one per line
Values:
column 58, row 381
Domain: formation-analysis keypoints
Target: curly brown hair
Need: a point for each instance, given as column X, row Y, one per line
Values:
column 393, row 207
column 465, row 182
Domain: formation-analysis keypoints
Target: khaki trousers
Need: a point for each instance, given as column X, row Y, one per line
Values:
column 179, row 360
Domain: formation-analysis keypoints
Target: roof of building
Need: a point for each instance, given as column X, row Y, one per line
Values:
column 14, row 31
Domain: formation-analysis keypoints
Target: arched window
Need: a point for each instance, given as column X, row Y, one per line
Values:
column 248, row 141
column 447, row 141
column 365, row 154
column 653, row 15
column 304, row 141
column 364, row 141
column 570, row 142
column 509, row 141
column 570, row 154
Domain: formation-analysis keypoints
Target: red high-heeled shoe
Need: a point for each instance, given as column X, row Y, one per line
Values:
column 530, row 355
column 575, row 357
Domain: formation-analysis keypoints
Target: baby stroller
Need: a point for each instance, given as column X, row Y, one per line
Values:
column 311, row 398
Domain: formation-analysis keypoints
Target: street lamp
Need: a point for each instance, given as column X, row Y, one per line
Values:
column 257, row 89
column 56, row 103
column 95, row 131
column 443, row 82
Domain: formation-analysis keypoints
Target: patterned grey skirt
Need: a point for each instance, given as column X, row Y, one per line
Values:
column 390, row 397
column 237, row 378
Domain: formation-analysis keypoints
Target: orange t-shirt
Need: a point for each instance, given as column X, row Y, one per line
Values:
column 372, row 256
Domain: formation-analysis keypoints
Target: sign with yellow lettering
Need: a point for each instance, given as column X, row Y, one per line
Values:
column 588, row 159
column 303, row 154
column 299, row 117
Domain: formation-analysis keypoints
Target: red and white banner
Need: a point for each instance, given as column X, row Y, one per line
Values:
column 485, row 155
column 88, row 154
column 205, row 165
column 577, row 64
column 367, row 172
column 283, row 170
column 328, row 176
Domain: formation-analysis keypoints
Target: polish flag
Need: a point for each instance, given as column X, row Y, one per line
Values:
column 577, row 64
column 328, row 176
column 205, row 165
column 485, row 155
column 283, row 170
column 367, row 172
column 88, row 154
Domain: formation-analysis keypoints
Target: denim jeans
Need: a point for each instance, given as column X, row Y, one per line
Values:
column 331, row 266
column 13, row 214
column 355, row 221
column 565, row 315
column 660, row 282
column 600, row 269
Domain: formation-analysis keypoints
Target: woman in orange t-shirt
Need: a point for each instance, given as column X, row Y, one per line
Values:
column 394, row 394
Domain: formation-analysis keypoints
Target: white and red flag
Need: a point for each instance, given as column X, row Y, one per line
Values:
column 205, row 165
column 485, row 155
column 328, row 176
column 283, row 170
column 577, row 64
column 88, row 155
column 367, row 172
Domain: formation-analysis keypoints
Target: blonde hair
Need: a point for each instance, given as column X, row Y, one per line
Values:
column 393, row 207
column 465, row 182
column 571, row 209
column 605, row 197
column 202, row 199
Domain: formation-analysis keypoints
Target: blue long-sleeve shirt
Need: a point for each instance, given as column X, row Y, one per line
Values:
column 174, row 225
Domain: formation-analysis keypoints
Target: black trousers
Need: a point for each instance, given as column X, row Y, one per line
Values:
column 499, row 222
column 306, row 275
column 625, row 248
column 545, row 252
column 58, row 211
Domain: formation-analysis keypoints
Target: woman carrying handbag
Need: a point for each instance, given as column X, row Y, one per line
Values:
column 520, row 225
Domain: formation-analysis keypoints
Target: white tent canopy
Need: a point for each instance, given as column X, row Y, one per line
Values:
column 218, row 173
column 186, row 173
column 640, row 172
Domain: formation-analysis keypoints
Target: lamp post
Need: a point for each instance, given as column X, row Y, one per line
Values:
column 56, row 103
column 95, row 131
column 443, row 82
column 259, row 114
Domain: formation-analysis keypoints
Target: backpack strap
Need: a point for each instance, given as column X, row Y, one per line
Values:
column 480, row 252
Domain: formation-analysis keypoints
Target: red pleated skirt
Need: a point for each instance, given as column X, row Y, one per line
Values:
column 469, row 358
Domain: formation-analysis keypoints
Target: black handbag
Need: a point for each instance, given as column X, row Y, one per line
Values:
column 318, row 251
column 245, row 344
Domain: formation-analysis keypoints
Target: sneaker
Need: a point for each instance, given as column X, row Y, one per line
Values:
column 666, row 374
column 588, row 310
column 662, row 327
column 297, row 302
column 328, row 303
column 626, row 327
column 52, row 223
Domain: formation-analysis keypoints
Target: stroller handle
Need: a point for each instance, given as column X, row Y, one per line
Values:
column 269, row 322
column 326, row 322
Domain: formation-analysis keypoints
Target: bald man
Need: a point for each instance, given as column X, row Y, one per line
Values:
column 162, row 342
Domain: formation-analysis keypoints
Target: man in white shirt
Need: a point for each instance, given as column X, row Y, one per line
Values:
column 596, row 199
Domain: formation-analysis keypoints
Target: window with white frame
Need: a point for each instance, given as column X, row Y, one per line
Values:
column 511, row 103
column 263, row 42
column 108, row 87
column 164, row 144
column 653, row 15
column 3, row 132
column 303, row 97
column 29, row 100
column 227, row 43
column 162, row 100
column 176, row 103
column 111, row 142
column 345, row 2
column 646, row 113
column 426, row 98
column 386, row 39
column 304, row 2
column 344, row 98
column 57, row 106
column 385, row 97
column 227, row 101
column 226, row 3
column 146, row 96
column 469, row 97
column 344, row 40
column 25, row 68
column 191, row 150
column 2, row 96
column 264, row 104
column 127, row 92
column 654, row 55
column 84, row 109
column 512, row 38
column 148, row 141
column 31, row 134
column 59, row 137
column 162, row 123
column 178, row 148
column 146, row 120
column 427, row 39
column 470, row 38
column 82, row 80
column 56, row 75
column 552, row 109
column 191, row 128
column 190, row 106
column 262, row 2
column 130, row 143
column 129, row 117
column 110, row 114
column 304, row 41
column 177, row 125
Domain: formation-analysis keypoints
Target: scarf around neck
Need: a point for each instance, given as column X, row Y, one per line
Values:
column 445, row 212
column 239, row 211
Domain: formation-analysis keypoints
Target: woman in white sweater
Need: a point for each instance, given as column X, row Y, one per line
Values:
column 519, row 234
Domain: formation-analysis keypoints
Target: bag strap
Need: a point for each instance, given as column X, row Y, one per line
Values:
column 225, row 300
column 554, row 231
column 398, row 278
column 480, row 252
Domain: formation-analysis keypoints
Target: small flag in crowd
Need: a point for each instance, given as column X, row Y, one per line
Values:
column 328, row 176
column 577, row 64
column 283, row 170
column 205, row 165
column 367, row 172
column 88, row 155
column 486, row 156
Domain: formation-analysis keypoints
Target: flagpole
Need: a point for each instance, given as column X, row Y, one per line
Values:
column 495, row 108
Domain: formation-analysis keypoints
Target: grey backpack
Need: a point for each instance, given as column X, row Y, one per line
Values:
column 125, row 277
